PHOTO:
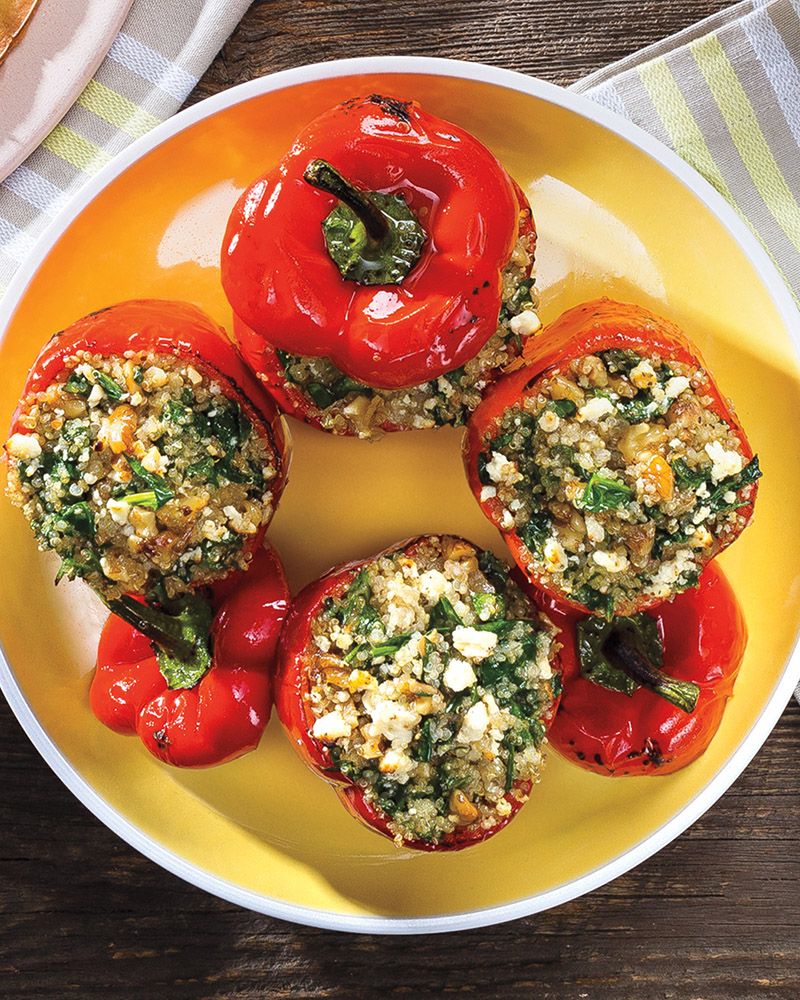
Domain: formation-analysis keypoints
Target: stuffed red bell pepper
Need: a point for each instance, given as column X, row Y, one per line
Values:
column 193, row 678
column 387, row 298
column 420, row 684
column 144, row 451
column 646, row 694
column 611, row 461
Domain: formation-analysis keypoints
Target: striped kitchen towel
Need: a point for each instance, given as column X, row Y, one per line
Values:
column 153, row 64
column 725, row 95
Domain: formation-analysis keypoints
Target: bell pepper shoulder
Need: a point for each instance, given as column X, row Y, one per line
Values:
column 278, row 260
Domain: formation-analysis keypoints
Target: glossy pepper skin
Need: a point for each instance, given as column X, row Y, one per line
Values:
column 282, row 283
column 292, row 703
column 223, row 716
column 293, row 400
column 704, row 636
column 586, row 329
column 158, row 326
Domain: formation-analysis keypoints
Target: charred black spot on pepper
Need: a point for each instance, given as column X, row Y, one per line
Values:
column 161, row 738
column 653, row 752
column 398, row 109
column 580, row 755
column 598, row 759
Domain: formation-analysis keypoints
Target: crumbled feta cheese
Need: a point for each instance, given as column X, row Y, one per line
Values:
column 473, row 643
column 506, row 521
column 390, row 719
column 500, row 470
column 342, row 639
column 595, row 409
column 360, row 680
column 119, row 510
column 526, row 323
column 459, row 675
column 554, row 556
column 213, row 532
column 675, row 386
column 432, row 584
column 475, row 724
column 395, row 762
column 194, row 376
column 724, row 463
column 613, row 562
column 701, row 538
column 332, row 726
column 594, row 529
column 154, row 461
column 96, row 395
column 643, row 376
column 24, row 446
column 549, row 421
column 701, row 514
column 487, row 493
column 670, row 572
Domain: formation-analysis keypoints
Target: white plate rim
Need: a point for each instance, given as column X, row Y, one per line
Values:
column 761, row 728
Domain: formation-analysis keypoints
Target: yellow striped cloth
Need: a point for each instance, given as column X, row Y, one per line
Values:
column 725, row 95
column 152, row 66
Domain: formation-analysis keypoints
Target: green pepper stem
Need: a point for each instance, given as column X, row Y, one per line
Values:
column 159, row 627
column 320, row 174
column 629, row 659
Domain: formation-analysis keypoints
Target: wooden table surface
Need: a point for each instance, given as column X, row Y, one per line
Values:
column 716, row 915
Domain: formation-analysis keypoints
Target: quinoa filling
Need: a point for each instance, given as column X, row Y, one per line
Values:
column 343, row 406
column 137, row 469
column 431, row 677
column 618, row 477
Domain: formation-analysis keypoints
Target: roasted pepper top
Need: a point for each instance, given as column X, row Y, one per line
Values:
column 282, row 281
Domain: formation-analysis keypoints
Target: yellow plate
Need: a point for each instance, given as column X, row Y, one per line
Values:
column 618, row 215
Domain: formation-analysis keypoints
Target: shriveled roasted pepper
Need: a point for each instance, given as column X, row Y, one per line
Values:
column 195, row 680
column 646, row 729
column 378, row 242
column 424, row 713
column 144, row 450
column 625, row 520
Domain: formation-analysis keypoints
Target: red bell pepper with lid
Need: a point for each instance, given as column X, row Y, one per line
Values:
column 425, row 711
column 143, row 450
column 378, row 242
column 611, row 461
column 193, row 679
column 622, row 714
